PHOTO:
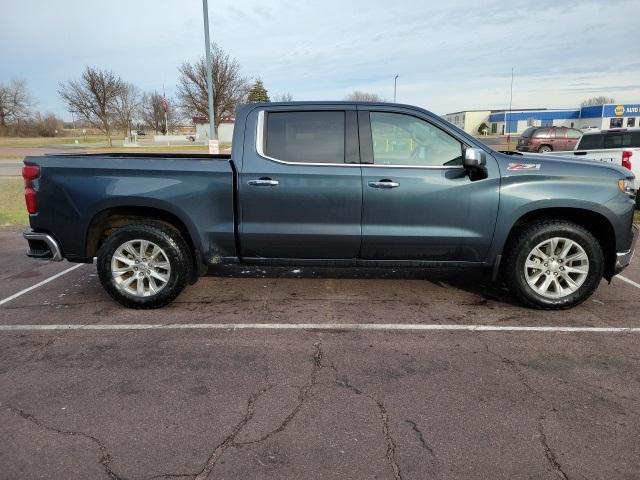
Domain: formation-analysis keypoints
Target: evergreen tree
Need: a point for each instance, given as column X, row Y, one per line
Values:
column 258, row 93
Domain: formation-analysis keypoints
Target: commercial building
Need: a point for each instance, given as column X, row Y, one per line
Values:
column 225, row 129
column 501, row 122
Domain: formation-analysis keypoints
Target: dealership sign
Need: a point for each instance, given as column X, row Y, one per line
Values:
column 621, row 110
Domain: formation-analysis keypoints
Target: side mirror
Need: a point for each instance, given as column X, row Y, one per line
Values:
column 474, row 158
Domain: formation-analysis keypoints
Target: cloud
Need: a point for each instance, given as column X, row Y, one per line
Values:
column 449, row 55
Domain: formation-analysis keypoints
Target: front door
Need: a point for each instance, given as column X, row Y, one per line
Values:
column 418, row 200
column 299, row 186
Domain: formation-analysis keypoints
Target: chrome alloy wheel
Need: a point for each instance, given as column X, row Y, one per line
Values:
column 556, row 267
column 140, row 268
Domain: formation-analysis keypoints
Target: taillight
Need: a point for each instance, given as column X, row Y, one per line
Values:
column 626, row 159
column 30, row 173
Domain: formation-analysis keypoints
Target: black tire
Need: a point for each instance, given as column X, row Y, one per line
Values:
column 528, row 237
column 545, row 148
column 177, row 253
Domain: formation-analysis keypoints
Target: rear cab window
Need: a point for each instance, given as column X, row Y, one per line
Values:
column 591, row 142
column 305, row 136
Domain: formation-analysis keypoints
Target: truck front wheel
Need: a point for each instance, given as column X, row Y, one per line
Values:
column 553, row 264
column 144, row 265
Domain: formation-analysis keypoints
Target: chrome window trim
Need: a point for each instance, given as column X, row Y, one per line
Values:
column 260, row 151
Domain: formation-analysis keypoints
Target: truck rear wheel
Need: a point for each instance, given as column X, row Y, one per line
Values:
column 144, row 265
column 553, row 264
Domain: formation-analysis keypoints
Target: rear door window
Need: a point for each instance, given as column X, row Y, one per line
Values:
column 542, row 133
column 306, row 137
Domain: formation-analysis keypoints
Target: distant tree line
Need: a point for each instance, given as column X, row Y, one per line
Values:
column 100, row 99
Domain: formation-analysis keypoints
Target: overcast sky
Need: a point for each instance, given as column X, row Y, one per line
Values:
column 450, row 55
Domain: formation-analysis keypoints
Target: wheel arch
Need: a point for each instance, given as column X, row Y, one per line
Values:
column 594, row 222
column 111, row 218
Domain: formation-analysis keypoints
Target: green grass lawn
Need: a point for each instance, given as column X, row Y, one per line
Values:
column 47, row 141
column 12, row 207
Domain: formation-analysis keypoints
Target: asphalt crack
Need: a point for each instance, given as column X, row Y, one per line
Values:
column 229, row 439
column 303, row 393
column 105, row 458
column 548, row 452
column 514, row 367
column 423, row 442
column 384, row 417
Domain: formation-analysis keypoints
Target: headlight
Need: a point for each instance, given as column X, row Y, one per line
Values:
column 626, row 186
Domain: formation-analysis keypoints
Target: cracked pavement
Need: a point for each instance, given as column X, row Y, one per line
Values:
column 225, row 404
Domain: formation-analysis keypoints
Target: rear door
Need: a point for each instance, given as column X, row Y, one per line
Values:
column 559, row 139
column 299, row 183
column 418, row 201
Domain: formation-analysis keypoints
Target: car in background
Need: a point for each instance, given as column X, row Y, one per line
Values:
column 548, row 139
column 141, row 133
column 619, row 146
column 589, row 128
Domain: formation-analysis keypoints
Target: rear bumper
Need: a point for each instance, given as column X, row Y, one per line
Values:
column 624, row 258
column 43, row 246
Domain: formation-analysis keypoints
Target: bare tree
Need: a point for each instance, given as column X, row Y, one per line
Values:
column 230, row 88
column 15, row 101
column 94, row 97
column 601, row 100
column 283, row 97
column 126, row 106
column 359, row 96
column 152, row 112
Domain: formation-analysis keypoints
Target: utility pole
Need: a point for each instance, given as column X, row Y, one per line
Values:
column 509, row 118
column 213, row 133
column 395, row 84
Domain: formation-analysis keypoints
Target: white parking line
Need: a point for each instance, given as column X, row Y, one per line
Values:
column 39, row 284
column 321, row 326
column 629, row 281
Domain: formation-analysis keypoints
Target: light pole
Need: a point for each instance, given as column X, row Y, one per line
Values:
column 395, row 84
column 213, row 133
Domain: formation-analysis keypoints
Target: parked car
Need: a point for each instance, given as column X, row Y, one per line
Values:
column 548, row 139
column 620, row 146
column 141, row 133
column 334, row 184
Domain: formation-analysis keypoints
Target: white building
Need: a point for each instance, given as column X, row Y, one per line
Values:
column 469, row 120
column 225, row 129
column 502, row 122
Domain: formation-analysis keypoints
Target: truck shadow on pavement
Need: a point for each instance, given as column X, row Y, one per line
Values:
column 471, row 281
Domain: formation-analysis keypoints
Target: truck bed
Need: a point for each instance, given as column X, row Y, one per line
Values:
column 198, row 189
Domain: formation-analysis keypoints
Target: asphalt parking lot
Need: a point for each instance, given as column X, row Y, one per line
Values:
column 350, row 375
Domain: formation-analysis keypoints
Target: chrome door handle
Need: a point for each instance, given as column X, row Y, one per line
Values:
column 384, row 184
column 263, row 182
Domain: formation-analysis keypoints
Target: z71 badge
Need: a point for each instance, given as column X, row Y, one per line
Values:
column 523, row 166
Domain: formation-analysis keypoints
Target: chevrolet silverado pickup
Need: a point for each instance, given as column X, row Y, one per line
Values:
column 334, row 184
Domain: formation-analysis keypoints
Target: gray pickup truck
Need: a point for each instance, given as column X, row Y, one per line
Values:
column 335, row 184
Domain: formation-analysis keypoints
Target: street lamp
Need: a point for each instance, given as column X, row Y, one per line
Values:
column 213, row 134
column 395, row 84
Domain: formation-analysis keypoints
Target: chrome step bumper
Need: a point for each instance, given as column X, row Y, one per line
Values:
column 43, row 246
column 623, row 259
